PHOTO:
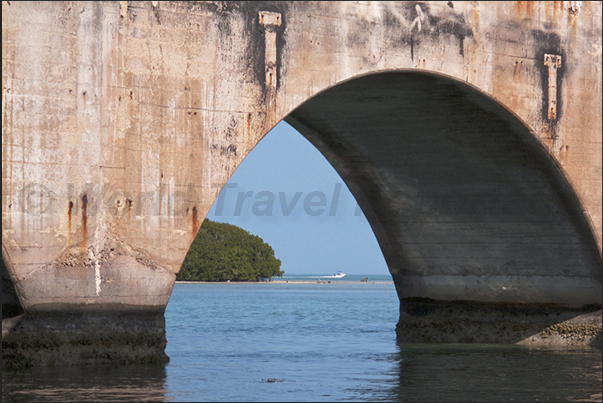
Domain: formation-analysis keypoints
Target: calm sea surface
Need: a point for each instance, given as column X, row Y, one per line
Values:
column 313, row 341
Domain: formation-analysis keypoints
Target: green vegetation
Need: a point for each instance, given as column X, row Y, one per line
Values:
column 222, row 252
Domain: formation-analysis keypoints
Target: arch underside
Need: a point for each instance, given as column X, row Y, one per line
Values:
column 11, row 306
column 464, row 201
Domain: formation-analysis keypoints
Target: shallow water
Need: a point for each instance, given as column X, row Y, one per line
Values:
column 313, row 342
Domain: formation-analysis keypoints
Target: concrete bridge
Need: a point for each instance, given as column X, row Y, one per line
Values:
column 469, row 133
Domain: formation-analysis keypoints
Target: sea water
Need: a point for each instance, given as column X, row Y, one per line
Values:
column 313, row 339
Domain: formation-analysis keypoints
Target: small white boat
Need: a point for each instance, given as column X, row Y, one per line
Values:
column 339, row 274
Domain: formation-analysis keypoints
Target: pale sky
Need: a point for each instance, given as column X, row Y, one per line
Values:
column 288, row 194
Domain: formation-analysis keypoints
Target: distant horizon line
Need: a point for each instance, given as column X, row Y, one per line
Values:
column 329, row 275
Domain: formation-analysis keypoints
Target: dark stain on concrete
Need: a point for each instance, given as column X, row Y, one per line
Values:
column 281, row 42
column 131, row 13
column 412, row 49
column 69, row 213
column 454, row 24
column 255, row 32
column 256, row 50
column 432, row 27
column 229, row 150
column 156, row 14
column 231, row 130
column 201, row 7
column 84, row 218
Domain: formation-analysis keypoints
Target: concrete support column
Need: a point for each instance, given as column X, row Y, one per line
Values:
column 57, row 338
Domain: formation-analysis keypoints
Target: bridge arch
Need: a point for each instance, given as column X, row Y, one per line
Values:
column 463, row 198
column 126, row 149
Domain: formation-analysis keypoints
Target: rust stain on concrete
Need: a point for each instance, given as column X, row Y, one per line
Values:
column 84, row 220
column 524, row 9
column 195, row 221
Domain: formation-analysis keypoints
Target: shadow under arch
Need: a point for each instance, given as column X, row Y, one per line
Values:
column 11, row 304
column 465, row 202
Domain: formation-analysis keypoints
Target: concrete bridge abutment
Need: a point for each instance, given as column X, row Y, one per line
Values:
column 469, row 133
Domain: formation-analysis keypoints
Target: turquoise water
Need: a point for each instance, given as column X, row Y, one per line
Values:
column 313, row 340
column 310, row 341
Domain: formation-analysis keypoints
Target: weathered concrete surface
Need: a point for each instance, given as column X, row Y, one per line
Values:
column 9, row 324
column 122, row 120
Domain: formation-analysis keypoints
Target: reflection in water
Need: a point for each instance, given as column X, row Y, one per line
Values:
column 496, row 373
column 418, row 372
column 87, row 383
